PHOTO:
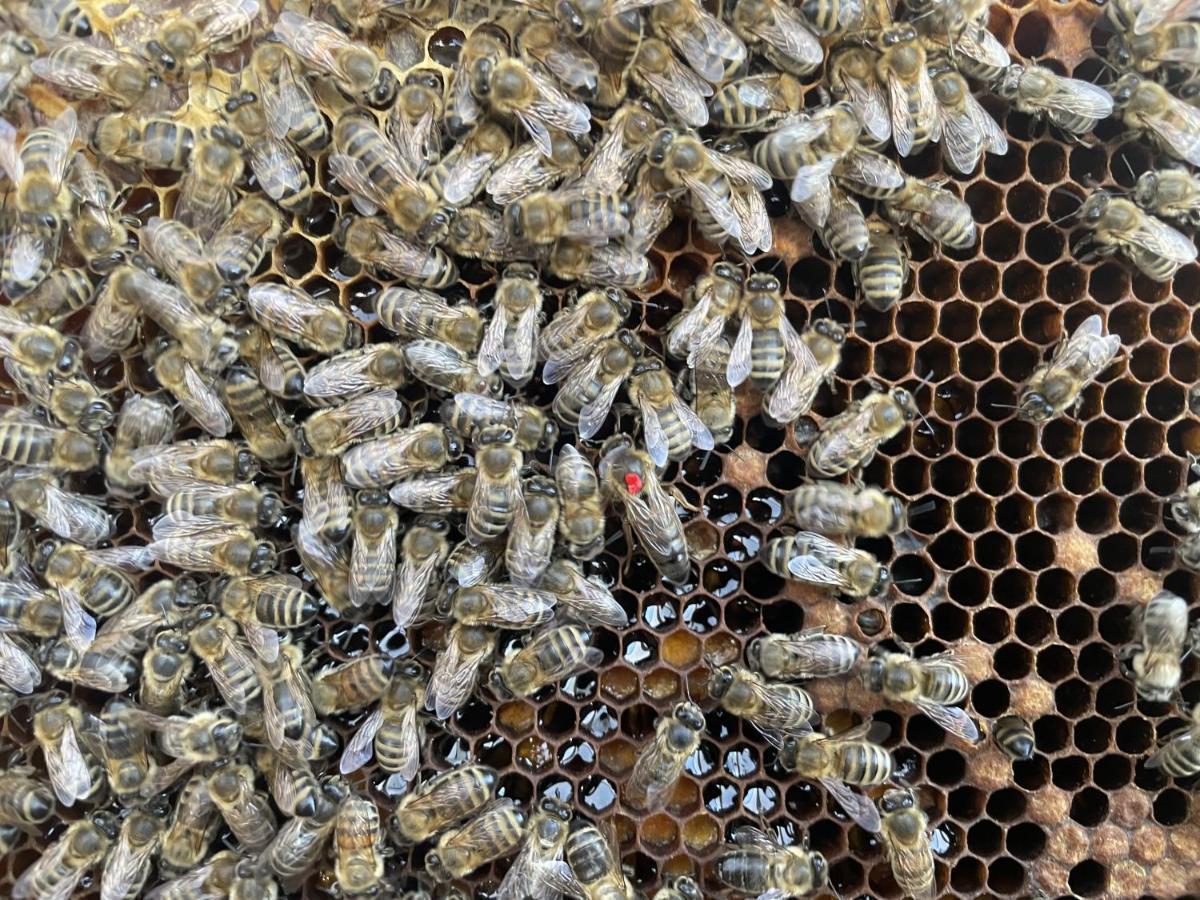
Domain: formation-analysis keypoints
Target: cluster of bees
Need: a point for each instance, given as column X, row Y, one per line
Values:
column 566, row 139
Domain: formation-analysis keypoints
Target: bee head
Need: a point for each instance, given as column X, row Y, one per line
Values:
column 689, row 715
column 263, row 558
column 43, row 554
column 1125, row 88
column 570, row 19
column 270, row 510
column 873, row 674
column 720, row 681
column 896, row 800
column 883, row 581
column 830, row 330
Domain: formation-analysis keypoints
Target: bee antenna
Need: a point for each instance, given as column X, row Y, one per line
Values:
column 921, row 508
column 908, row 581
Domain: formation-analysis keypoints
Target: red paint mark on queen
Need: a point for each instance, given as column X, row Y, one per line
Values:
column 633, row 483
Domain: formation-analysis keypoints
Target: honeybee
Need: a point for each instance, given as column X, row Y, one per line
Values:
column 39, row 349
column 244, row 240
column 499, row 606
column 469, row 564
column 411, row 123
column 26, row 443
column 166, row 665
column 510, row 340
column 901, row 69
column 128, row 866
column 67, row 289
column 328, row 502
column 32, row 247
column 446, row 368
column 511, row 88
column 68, row 515
column 527, row 169
column 681, row 887
column 1153, row 661
column 311, row 322
column 355, row 372
column 99, row 232
column 423, row 550
column 214, row 640
column 155, row 142
column 548, row 658
column 329, row 432
column 781, row 32
column 395, row 730
column 806, row 654
column 591, row 386
column 180, row 43
column 436, row 493
column 457, row 667
column 1169, row 193
column 300, row 842
column 622, row 267
column 256, row 415
column 72, row 401
column 493, row 832
column 713, row 300
column 572, row 213
column 353, row 66
column 169, row 468
column 1143, row 16
column 383, row 461
column 760, row 349
column 27, row 609
column 849, row 757
column 621, row 148
column 103, row 666
column 542, row 850
column 195, row 392
column 1177, row 757
column 467, row 414
column 816, row 560
column 905, row 837
column 288, row 714
column 231, row 551
column 1058, row 384
column 628, row 477
column 1117, row 225
column 23, row 799
column 193, row 825
column 423, row 315
column 967, row 130
column 369, row 241
column 1015, row 737
column 277, row 168
column 671, row 85
column 352, row 685
column 539, row 41
column 758, row 864
column 278, row 369
column 660, row 763
column 852, row 80
column 373, row 555
column 780, row 708
column 206, row 190
column 459, row 175
column 932, row 212
column 358, row 845
column 849, row 440
column 531, row 537
column 1175, row 43
column 813, row 358
column 16, row 54
column 497, row 485
column 58, row 871
column 122, row 736
column 670, row 427
column 443, row 800
column 932, row 684
column 723, row 189
column 180, row 253
column 95, row 576
column 1070, row 104
column 57, row 726
column 86, row 70
column 707, row 387
column 595, row 871
column 882, row 273
column 581, row 521
column 291, row 109
column 756, row 102
column 47, row 18
column 835, row 509
column 574, row 329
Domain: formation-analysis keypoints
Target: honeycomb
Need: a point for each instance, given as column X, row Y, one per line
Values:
column 1028, row 547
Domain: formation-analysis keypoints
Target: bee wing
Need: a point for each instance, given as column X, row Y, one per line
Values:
column 653, row 435
column 856, row 806
column 609, row 162
column 1152, row 13
column 525, row 878
column 740, row 364
column 453, row 677
column 707, row 44
column 512, row 603
column 653, row 516
column 751, row 210
column 952, row 718
column 53, row 860
column 811, row 187
column 491, row 349
column 26, row 251
column 554, row 108
column 67, row 768
column 682, row 91
column 277, row 168
column 124, row 869
column 74, row 518
column 982, row 46
column 871, row 104
column 10, row 154
column 70, row 74
column 354, row 177
column 793, row 396
column 1082, row 98
column 263, row 641
column 702, row 438
column 341, row 375
column 224, row 17
column 1161, row 239
column 703, row 345
column 788, row 34
column 411, row 587
column 592, row 604
column 750, row 836
column 361, row 747
column 902, row 122
column 718, row 203
column 65, row 127
column 432, row 492
column 522, row 173
column 463, row 179
column 79, row 628
column 593, row 414
column 740, row 171
column 203, row 403
column 416, row 141
column 807, row 567
column 404, row 258
column 314, row 42
column 17, row 668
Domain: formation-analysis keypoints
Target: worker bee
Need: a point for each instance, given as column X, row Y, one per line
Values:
column 591, row 386
column 130, row 768
column 57, row 872
column 845, row 230
column 103, row 666
column 723, row 189
column 278, row 369
column 1169, row 193
column 16, row 54
column 1175, row 43
column 355, row 372
column 419, row 106
column 67, row 289
column 74, row 518
column 467, row 414
column 882, row 273
column 12, row 546
column 23, row 799
column 849, row 440
column 383, row 461
column 300, row 843
column 542, row 850
column 712, row 301
column 1143, row 16
column 510, row 340
column 1117, row 225
column 94, row 575
column 932, row 684
column 195, row 392
column 630, row 479
column 901, row 68
column 547, row 659
column 369, row 241
column 423, row 550
column 1153, row 661
column 443, row 800
column 206, row 190
column 712, row 49
column 99, row 232
column 491, row 833
column 311, row 322
column 707, row 388
column 595, row 871
column 671, row 85
column 214, row 877
column 527, row 169
column 352, row 685
column 244, row 241
column 624, row 267
column 497, row 485
column 508, row 87
column 168, row 468
column 155, row 142
column 837, row 761
column 806, row 654
column 594, row 317
column 373, row 555
column 395, row 730
column 181, row 254
column 813, row 358
column 230, row 664
column 458, row 176
column 1177, row 757
column 1015, row 737
column 260, row 604
column 436, row 493
column 166, row 665
column 534, row 523
column 48, row 18
column 499, row 606
column 353, row 66
column 580, row 598
column 57, row 726
column 128, row 866
column 1070, row 104
column 1058, row 384
column 760, row 349
column 967, row 130
column 38, row 349
column 231, row 551
column 757, row 863
column 246, row 811
column 457, row 667
column 780, row 708
column 277, row 167
column 424, row 315
column 670, row 427
column 573, row 213
column 31, row 250
column 328, row 502
column 781, row 32
column 358, row 846
column 26, row 443
column 660, row 763
column 905, row 837
column 330, row 431
column 193, row 825
column 446, row 368
column 27, row 609
column 292, row 110
column 852, row 80
column 581, row 521
column 933, row 212
column 288, row 714
column 256, row 415
column 180, row 43
column 72, row 401
column 844, row 510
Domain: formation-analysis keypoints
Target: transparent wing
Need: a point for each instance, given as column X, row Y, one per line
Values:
column 702, row 438
column 1161, row 239
column 755, row 223
column 793, row 396
column 954, row 720
column 740, row 363
column 491, row 349
column 411, row 587
column 124, row 869
column 707, row 44
column 592, row 603
column 856, row 806
column 67, row 768
column 808, row 567
column 344, row 374
column 871, row 104
column 17, row 668
column 79, row 628
column 522, row 173
column 10, row 155
column 463, row 179
column 902, row 124
column 263, row 641
column 653, row 435
column 73, row 517
column 593, row 414
column 453, row 677
column 53, row 860
column 1081, row 98
column 353, row 175
column 654, row 518
column 361, row 747
column 682, row 91
column 786, row 31
column 277, row 168
column 740, row 171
